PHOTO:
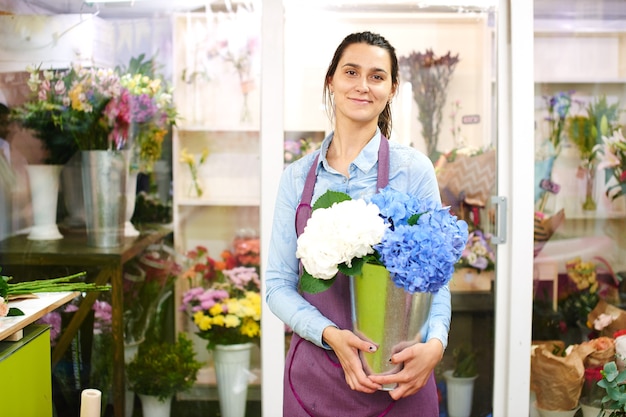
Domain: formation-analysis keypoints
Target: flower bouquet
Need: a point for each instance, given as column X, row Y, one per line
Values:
column 417, row 242
column 478, row 254
column 148, row 282
column 201, row 270
column 240, row 52
column 398, row 252
column 228, row 311
column 429, row 76
column 152, row 114
column 297, row 148
column 76, row 109
column 613, row 160
column 194, row 162
column 473, row 271
column 558, row 107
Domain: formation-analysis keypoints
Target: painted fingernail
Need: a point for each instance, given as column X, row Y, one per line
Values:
column 372, row 348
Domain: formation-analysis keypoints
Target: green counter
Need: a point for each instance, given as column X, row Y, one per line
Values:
column 26, row 382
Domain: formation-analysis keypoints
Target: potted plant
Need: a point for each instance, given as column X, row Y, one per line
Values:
column 160, row 370
column 614, row 402
column 460, row 381
column 227, row 315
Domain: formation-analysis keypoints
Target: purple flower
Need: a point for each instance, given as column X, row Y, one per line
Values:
column 102, row 317
column 54, row 320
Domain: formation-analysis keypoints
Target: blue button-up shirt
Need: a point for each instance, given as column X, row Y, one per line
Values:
column 409, row 171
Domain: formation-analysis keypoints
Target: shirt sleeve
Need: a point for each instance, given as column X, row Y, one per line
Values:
column 440, row 313
column 282, row 272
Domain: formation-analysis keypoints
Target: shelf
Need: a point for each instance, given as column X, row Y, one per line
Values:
column 215, row 128
column 477, row 301
column 580, row 56
column 564, row 80
column 220, row 202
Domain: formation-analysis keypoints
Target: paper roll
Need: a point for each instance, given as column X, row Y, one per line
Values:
column 90, row 403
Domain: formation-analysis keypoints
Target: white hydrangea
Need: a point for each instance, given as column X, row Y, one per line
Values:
column 337, row 234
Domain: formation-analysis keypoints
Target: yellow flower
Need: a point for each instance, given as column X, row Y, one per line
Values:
column 186, row 157
column 76, row 96
column 219, row 320
column 202, row 321
column 234, row 307
column 250, row 328
column 216, row 310
column 204, row 156
column 232, row 320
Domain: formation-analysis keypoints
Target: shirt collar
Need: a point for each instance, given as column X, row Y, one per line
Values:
column 366, row 159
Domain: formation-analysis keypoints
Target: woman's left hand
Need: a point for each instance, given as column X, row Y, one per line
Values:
column 419, row 360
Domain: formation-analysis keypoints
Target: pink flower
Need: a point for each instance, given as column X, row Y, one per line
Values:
column 59, row 87
column 602, row 321
column 242, row 277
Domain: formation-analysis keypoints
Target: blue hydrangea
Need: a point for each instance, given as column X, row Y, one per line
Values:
column 420, row 258
column 395, row 207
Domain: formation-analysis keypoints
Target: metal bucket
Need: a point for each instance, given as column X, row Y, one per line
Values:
column 386, row 315
column 104, row 191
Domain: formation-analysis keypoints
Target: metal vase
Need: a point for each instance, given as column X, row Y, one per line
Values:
column 72, row 186
column 386, row 315
column 104, row 192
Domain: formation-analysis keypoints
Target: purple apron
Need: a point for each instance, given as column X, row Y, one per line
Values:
column 314, row 384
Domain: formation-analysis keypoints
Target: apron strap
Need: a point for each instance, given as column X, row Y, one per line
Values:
column 303, row 212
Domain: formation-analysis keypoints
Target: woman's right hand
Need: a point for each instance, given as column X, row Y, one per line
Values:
column 346, row 346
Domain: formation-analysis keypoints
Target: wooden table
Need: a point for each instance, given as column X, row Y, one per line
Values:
column 73, row 251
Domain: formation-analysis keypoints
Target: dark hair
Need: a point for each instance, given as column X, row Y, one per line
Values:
column 373, row 39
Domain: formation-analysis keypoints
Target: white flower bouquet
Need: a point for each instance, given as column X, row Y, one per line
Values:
column 417, row 242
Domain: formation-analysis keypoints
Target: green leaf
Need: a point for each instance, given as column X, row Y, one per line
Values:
column 13, row 311
column 355, row 269
column 312, row 285
column 412, row 221
column 329, row 198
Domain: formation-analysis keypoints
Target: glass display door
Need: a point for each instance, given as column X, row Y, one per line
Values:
column 446, row 107
column 580, row 208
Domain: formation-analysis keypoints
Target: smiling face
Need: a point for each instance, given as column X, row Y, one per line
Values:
column 362, row 83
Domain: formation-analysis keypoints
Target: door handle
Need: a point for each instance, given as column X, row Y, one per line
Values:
column 501, row 210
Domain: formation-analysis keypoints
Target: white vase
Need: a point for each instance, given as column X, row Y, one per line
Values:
column 153, row 407
column 130, row 351
column 556, row 413
column 232, row 371
column 131, row 197
column 44, row 191
column 460, row 392
column 591, row 411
